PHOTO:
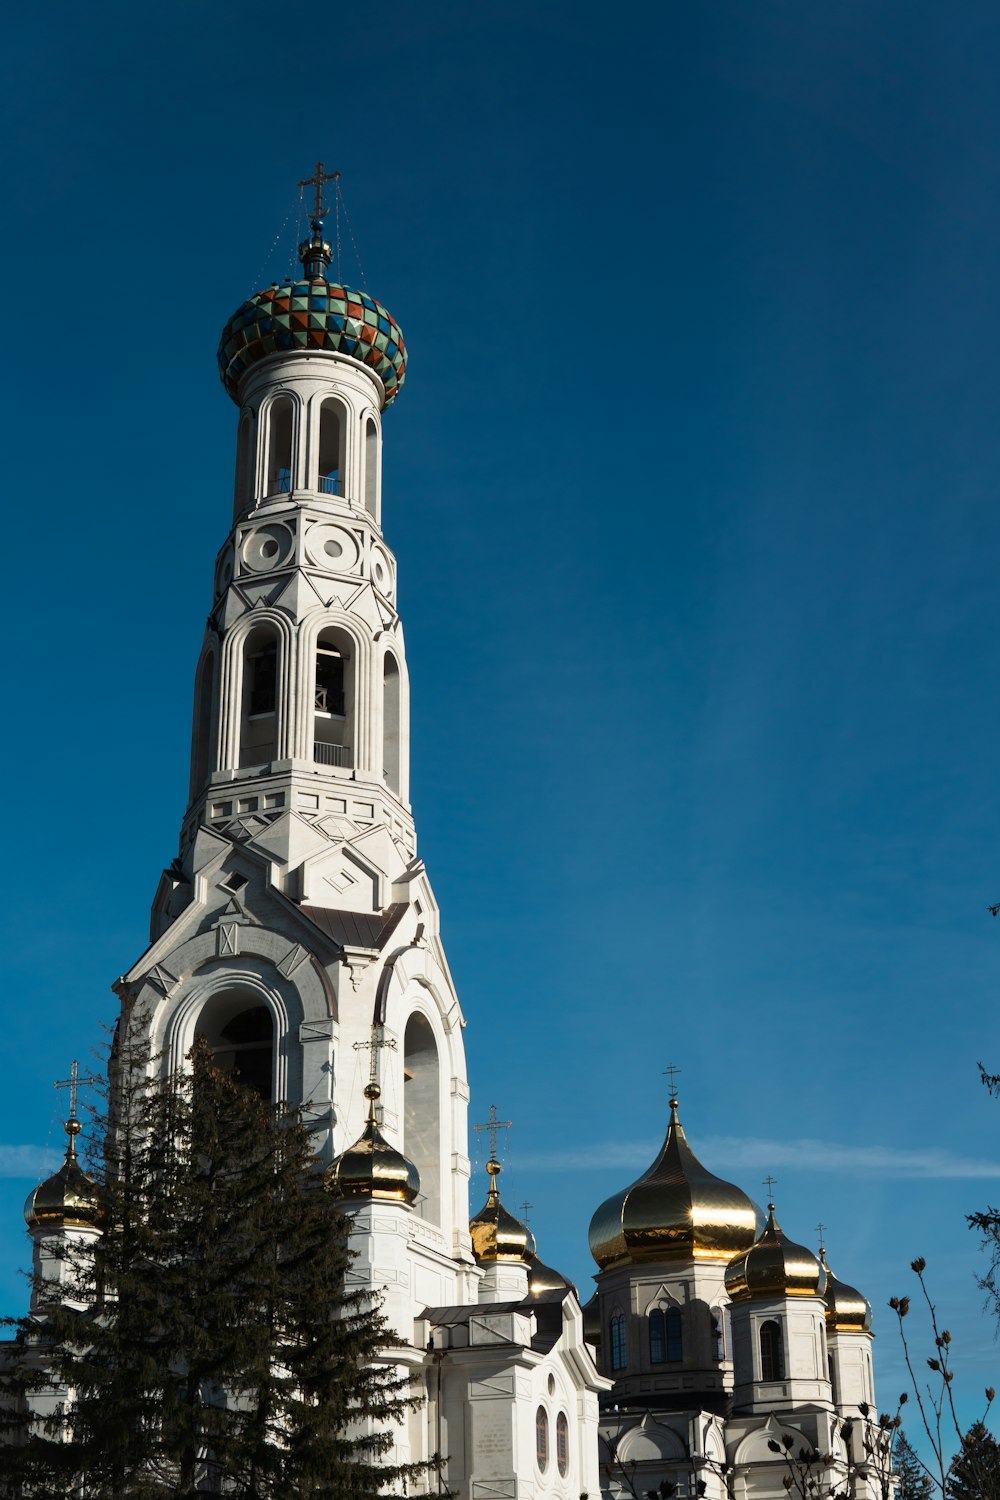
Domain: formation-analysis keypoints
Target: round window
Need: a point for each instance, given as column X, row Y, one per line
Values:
column 562, row 1443
column 542, row 1438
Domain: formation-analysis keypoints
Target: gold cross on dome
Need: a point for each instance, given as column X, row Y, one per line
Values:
column 317, row 180
column 72, row 1083
column 375, row 1045
column 671, row 1071
column 493, row 1125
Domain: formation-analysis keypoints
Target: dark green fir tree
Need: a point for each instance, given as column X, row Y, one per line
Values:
column 975, row 1472
column 914, row 1481
column 210, row 1336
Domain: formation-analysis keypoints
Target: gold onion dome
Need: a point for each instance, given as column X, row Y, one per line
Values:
column 496, row 1234
column 542, row 1278
column 69, row 1196
column 847, row 1311
column 676, row 1208
column 775, row 1267
column 371, row 1168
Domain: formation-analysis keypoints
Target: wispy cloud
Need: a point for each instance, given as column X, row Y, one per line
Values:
column 727, row 1152
column 28, row 1161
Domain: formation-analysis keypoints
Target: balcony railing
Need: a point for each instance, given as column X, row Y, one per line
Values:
column 329, row 484
column 256, row 755
column 331, row 755
column 281, row 484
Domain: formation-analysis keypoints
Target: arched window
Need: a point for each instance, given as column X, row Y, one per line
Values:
column 258, row 738
column 204, row 718
column 562, row 1444
column 657, row 1337
column 675, row 1334
column 422, row 1112
column 243, row 485
column 718, row 1334
column 333, row 700
column 279, row 447
column 772, row 1351
column 331, row 449
column 240, row 1032
column 542, row 1438
column 390, row 723
column 619, row 1341
column 371, row 466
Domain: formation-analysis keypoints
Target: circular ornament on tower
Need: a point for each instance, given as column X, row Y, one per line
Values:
column 382, row 571
column 266, row 548
column 331, row 547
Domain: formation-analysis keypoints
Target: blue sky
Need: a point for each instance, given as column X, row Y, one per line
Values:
column 693, row 492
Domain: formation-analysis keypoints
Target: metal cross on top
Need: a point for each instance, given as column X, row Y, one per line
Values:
column 525, row 1206
column 72, row 1083
column 671, row 1071
column 493, row 1125
column 378, row 1041
column 317, row 180
column 821, row 1231
column 769, row 1184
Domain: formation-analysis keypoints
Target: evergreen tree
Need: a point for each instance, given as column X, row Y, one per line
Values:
column 914, row 1481
column 975, row 1472
column 213, row 1343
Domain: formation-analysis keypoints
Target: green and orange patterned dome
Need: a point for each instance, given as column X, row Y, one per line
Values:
column 313, row 314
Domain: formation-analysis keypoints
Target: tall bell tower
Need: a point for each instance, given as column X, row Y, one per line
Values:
column 297, row 929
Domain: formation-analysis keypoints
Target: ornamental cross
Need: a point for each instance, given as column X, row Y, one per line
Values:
column 375, row 1045
column 493, row 1125
column 769, row 1184
column 524, row 1210
column 72, row 1083
column 671, row 1071
column 821, row 1231
column 317, row 180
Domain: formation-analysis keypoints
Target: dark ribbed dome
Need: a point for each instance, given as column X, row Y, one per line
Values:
column 69, row 1196
column 371, row 1168
column 775, row 1267
column 676, row 1208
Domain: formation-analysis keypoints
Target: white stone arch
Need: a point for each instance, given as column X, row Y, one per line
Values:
column 283, row 392
column 663, row 1294
column 650, row 1442
column 231, row 681
column 205, row 716
column 390, row 644
column 309, row 629
column 753, row 1448
column 411, row 984
column 371, row 456
column 245, row 477
column 244, row 977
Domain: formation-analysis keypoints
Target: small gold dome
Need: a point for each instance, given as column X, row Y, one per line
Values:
column 542, row 1278
column 496, row 1234
column 775, row 1267
column 69, row 1196
column 371, row 1168
column 847, row 1311
column 676, row 1208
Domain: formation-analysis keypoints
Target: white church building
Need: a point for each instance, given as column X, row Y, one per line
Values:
column 297, row 930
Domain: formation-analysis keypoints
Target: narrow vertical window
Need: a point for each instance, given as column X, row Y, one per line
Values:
column 390, row 723
column 258, row 736
column 675, row 1335
column 242, row 488
column 772, row 1353
column 619, row 1342
column 279, row 447
column 562, row 1444
column 542, row 1438
column 204, row 720
column 371, row 466
column 331, row 449
column 333, row 701
column 718, row 1334
column 657, row 1337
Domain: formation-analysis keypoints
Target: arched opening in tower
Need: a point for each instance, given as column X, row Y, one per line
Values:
column 390, row 723
column 243, row 491
column 422, row 1112
column 371, row 467
column 331, row 449
column 258, row 728
column 240, row 1032
column 279, row 447
column 204, row 716
column 333, row 700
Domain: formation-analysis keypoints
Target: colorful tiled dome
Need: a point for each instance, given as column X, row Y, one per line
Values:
column 313, row 314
